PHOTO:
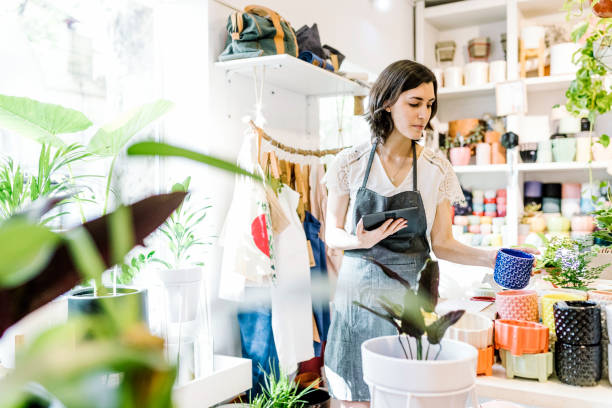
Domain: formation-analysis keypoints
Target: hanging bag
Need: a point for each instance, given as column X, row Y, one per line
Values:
column 256, row 32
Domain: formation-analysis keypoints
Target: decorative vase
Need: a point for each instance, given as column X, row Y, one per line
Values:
column 577, row 322
column 564, row 149
column 603, row 9
column 460, row 156
column 479, row 48
column 453, row 78
column 578, row 365
column 544, row 152
column 521, row 337
column 394, row 380
column 517, row 305
column 476, row 73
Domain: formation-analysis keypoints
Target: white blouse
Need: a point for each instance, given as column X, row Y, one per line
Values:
column 436, row 180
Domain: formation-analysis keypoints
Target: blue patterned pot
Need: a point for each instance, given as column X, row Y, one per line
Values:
column 513, row 268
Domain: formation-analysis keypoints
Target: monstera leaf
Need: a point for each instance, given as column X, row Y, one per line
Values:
column 428, row 285
column 436, row 330
column 40, row 121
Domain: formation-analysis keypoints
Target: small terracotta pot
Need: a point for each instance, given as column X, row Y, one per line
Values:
column 460, row 156
column 517, row 305
column 486, row 359
column 603, row 9
column 521, row 337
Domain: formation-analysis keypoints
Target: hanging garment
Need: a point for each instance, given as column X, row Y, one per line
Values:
column 318, row 205
column 248, row 247
column 290, row 294
column 257, row 338
column 318, row 274
column 361, row 280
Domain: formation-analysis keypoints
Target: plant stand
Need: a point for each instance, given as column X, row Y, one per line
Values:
column 526, row 53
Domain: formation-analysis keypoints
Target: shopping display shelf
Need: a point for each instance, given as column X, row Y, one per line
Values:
column 293, row 74
column 231, row 376
column 535, row 84
column 560, row 166
column 551, row 393
column 465, row 13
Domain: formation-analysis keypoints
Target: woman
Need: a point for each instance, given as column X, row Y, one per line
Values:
column 392, row 172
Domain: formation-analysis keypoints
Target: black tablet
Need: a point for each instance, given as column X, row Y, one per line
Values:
column 373, row 221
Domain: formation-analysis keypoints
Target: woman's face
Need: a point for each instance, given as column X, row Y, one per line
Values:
column 412, row 110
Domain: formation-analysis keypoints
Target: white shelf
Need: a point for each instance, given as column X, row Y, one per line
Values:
column 492, row 168
column 465, row 13
column 551, row 393
column 231, row 376
column 293, row 74
column 535, row 84
column 466, row 91
column 531, row 8
column 556, row 167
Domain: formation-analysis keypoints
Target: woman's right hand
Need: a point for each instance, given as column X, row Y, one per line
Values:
column 367, row 239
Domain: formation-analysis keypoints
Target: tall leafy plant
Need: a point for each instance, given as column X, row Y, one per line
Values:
column 407, row 317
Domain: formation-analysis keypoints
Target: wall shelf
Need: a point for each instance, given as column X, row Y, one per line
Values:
column 557, row 167
column 293, row 74
column 466, row 91
column 491, row 168
column 465, row 13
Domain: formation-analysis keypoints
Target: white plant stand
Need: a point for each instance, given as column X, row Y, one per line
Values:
column 230, row 377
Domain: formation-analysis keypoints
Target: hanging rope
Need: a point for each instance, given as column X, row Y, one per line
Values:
column 289, row 149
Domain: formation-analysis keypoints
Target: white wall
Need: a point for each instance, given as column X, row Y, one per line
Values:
column 370, row 38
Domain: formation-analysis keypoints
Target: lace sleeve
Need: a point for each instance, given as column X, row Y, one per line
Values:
column 337, row 175
column 450, row 188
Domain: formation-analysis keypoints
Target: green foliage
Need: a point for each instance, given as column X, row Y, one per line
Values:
column 180, row 231
column 18, row 189
column 569, row 262
column 25, row 248
column 40, row 121
column 280, row 392
column 475, row 136
column 603, row 216
column 134, row 266
column 407, row 317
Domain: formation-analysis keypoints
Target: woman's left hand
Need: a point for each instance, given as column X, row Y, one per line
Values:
column 529, row 250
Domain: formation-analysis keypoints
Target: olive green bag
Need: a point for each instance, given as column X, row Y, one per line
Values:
column 256, row 32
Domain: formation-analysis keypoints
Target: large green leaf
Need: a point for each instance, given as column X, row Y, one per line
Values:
column 112, row 137
column 162, row 149
column 39, row 121
column 25, row 248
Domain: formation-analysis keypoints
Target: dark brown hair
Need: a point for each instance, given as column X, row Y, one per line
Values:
column 398, row 77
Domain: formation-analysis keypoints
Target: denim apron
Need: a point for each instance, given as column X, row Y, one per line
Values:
column 359, row 279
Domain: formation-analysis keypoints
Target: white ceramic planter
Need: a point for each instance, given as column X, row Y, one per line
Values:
column 474, row 329
column 531, row 36
column 561, row 58
column 395, row 381
column 183, row 291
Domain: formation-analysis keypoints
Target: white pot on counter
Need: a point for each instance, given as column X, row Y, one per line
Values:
column 395, row 381
column 561, row 58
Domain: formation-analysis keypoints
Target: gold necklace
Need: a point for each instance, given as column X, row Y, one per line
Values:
column 392, row 178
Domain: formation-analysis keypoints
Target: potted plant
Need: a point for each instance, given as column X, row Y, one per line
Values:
column 394, row 367
column 568, row 262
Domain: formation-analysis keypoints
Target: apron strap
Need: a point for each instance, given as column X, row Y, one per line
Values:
column 370, row 160
column 414, row 167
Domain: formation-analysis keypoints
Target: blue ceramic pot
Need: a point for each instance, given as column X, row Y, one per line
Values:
column 513, row 268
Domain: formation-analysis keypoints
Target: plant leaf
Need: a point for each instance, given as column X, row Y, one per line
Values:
column 25, row 248
column 604, row 140
column 391, row 274
column 111, row 138
column 412, row 320
column 428, row 285
column 40, row 121
column 162, row 149
column 388, row 318
column 436, row 330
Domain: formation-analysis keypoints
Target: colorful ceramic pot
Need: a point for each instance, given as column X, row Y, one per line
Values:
column 483, row 154
column 578, row 365
column 558, row 224
column 583, row 223
column 564, row 149
column 474, row 329
column 517, row 305
column 513, row 268
column 571, row 190
column 570, row 207
column 460, row 156
column 548, row 317
column 536, row 366
column 521, row 337
column 486, row 359
column 528, row 152
column 577, row 322
column 498, row 153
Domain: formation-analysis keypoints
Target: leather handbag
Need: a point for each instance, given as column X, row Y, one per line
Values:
column 256, row 32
